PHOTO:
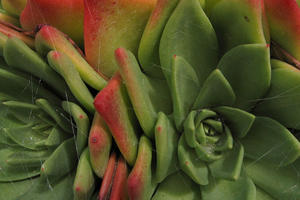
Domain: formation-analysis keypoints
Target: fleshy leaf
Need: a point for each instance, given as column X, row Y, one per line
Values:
column 189, row 162
column 50, row 39
column 280, row 183
column 82, row 124
column 166, row 139
column 262, row 195
column 60, row 190
column 220, row 189
column 119, row 186
column 148, row 96
column 66, row 156
column 18, row 55
column 281, row 102
column 177, row 187
column 247, row 69
column 196, row 41
column 279, row 12
column 148, row 52
column 84, row 182
column 230, row 165
column 19, row 188
column 238, row 22
column 184, row 89
column 238, row 121
column 14, row 173
column 63, row 65
column 139, row 182
column 100, row 142
column 110, row 24
column 108, row 177
column 69, row 13
column 113, row 105
column 216, row 91
column 269, row 140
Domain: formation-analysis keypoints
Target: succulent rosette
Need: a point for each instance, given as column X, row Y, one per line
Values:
column 190, row 100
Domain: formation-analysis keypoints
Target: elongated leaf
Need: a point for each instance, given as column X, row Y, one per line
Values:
column 237, row 120
column 230, row 165
column 14, row 173
column 216, row 91
column 238, row 22
column 194, row 167
column 220, row 189
column 169, row 189
column 148, row 96
column 148, row 52
column 269, row 140
column 184, row 89
column 189, row 34
column 281, row 102
column 247, row 69
column 280, row 183
column 166, row 140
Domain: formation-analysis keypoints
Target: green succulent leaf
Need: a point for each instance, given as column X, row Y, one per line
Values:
column 220, row 189
column 237, row 22
column 184, row 89
column 166, row 140
column 269, row 140
column 148, row 95
column 18, row 55
column 247, row 69
column 84, row 182
column 148, row 52
column 189, row 34
column 60, row 190
column 262, row 195
column 169, row 189
column 238, row 121
column 216, row 91
column 10, row 172
column 82, row 124
column 230, row 165
column 19, row 188
column 281, row 102
column 280, row 183
column 66, row 156
column 189, row 162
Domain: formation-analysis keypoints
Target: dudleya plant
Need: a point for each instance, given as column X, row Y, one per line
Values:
column 198, row 104
column 230, row 117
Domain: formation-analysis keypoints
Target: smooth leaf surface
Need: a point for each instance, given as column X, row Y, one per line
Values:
column 280, row 183
column 247, row 69
column 184, row 89
column 166, row 140
column 189, row 34
column 216, row 91
column 269, row 140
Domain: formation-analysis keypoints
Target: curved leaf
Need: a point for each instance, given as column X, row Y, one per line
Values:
column 148, row 52
column 282, row 101
column 177, row 187
column 238, row 121
column 269, row 140
column 166, row 140
column 184, row 89
column 216, row 91
column 189, row 162
column 189, row 34
column 220, row 189
column 247, row 69
column 280, row 183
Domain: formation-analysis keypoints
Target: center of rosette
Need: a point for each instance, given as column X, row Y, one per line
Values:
column 205, row 131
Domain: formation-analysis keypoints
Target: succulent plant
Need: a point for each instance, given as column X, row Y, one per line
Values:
column 190, row 99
